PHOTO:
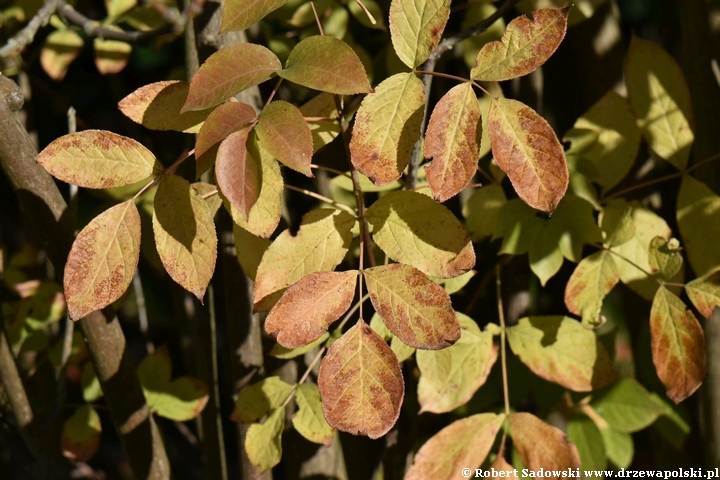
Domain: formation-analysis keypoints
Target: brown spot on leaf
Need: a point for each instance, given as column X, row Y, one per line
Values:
column 541, row 445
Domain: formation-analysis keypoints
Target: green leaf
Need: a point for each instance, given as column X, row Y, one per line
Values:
column 327, row 64
column 323, row 131
column 416, row 27
column 413, row 307
column 241, row 14
column 285, row 134
column 361, row 383
column 477, row 13
column 593, row 278
column 401, row 350
column 441, row 246
column 451, row 141
column 255, row 401
column 319, row 246
column 377, row 324
column 559, row 349
column 525, row 46
column 545, row 255
column 704, row 293
column 229, row 71
column 619, row 447
column 184, row 234
column 263, row 442
column 482, row 211
column 626, row 406
column 102, row 260
column 671, row 424
column 589, row 441
column 98, row 159
column 517, row 225
column 527, row 149
column 387, row 125
column 61, row 47
column 450, row 377
column 238, row 172
column 81, row 434
column 661, row 100
column 574, row 223
column 698, row 217
column 617, row 224
column 90, row 384
column 453, row 285
column 250, row 249
column 664, row 256
column 346, row 183
column 111, row 56
column 541, row 445
column 309, row 420
column 465, row 443
column 278, row 351
column 678, row 345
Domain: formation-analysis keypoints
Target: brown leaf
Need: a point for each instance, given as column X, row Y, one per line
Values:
column 306, row 309
column 414, row 308
column 238, row 173
column 285, row 134
column 452, row 142
column 678, row 345
column 361, row 384
column 541, row 445
column 527, row 149
column 501, row 465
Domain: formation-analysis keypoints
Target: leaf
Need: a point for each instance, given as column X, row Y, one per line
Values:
column 309, row 420
column 157, row 106
column 450, row 377
column 501, row 465
column 593, row 278
column 545, row 255
column 278, row 351
column 482, row 210
column 387, row 125
column 589, row 442
column 323, row 131
column 416, row 27
column 306, row 309
column 478, row 12
column 626, row 406
column 238, row 173
column 617, row 225
column 326, row 64
column 81, row 434
column 98, row 159
column 61, row 47
column 704, row 293
column 111, row 56
column 517, row 225
column 115, row 8
column 451, row 141
column 465, row 443
column 263, row 442
column 250, row 249
column 413, row 307
column 527, row 149
column 678, row 345
column 229, row 71
column 401, row 350
column 619, row 447
column 361, row 384
column 184, row 234
column 525, row 46
column 225, row 119
column 698, row 217
column 285, row 134
column 319, row 246
column 102, row 260
column 671, row 424
column 346, row 183
column 541, row 445
column 91, row 388
column 664, row 257
column 255, row 401
column 559, row 349
column 454, row 285
column 440, row 245
column 661, row 100
column 241, row 14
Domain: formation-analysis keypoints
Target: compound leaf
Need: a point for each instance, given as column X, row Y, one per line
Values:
column 416, row 27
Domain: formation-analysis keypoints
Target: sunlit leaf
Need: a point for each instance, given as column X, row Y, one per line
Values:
column 238, row 173
column 111, row 56
column 664, row 257
column 306, row 309
column 545, row 255
column 416, row 27
column 559, row 349
column 115, row 8
column 525, row 46
column 81, row 434
column 619, row 447
column 309, row 420
column 453, row 285
column 482, row 209
column 386, row 128
column 285, row 134
column 98, row 159
column 229, row 71
column 263, row 441
column 661, row 100
column 102, row 260
column 465, row 443
column 704, row 293
column 90, row 383
column 241, row 14
column 626, row 406
column 323, row 131
column 593, row 278
column 477, row 13
column 346, row 183
column 541, row 445
column 255, row 401
column 451, row 142
column 698, row 217
column 617, row 225
column 61, row 47
column 225, row 119
column 450, row 377
column 326, row 64
column 440, row 245
column 678, row 345
column 361, row 384
column 527, row 149
column 250, row 249
column 589, row 442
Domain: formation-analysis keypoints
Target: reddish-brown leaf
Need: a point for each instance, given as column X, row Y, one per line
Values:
column 414, row 308
column 238, row 173
column 678, row 345
column 361, row 384
column 541, row 445
column 306, row 309
column 501, row 465
column 228, row 71
column 452, row 142
column 285, row 134
column 527, row 149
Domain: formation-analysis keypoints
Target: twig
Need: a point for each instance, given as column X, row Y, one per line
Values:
column 367, row 12
column 322, row 198
column 503, row 352
column 142, row 311
column 216, row 382
column 26, row 35
column 333, row 170
column 317, row 19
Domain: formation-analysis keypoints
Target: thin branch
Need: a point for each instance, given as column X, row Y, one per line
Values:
column 333, row 170
column 322, row 198
column 25, row 36
column 367, row 12
column 503, row 352
column 317, row 19
column 443, row 75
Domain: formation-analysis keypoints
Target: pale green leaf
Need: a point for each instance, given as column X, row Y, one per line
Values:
column 545, row 254
column 61, row 47
column 255, row 401
column 453, row 285
column 518, row 226
column 81, row 434
column 617, row 225
column 416, row 27
column 587, row 438
column 401, row 350
column 278, row 351
column 704, row 293
column 671, row 424
column 626, row 406
column 619, row 447
column 249, row 249
column 346, row 183
column 664, row 257
column 241, row 14
column 698, row 217
column 482, row 210
column 90, row 384
column 593, row 278
column 309, row 420
column 263, row 442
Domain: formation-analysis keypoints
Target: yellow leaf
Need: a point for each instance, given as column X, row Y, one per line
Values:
column 111, row 56
column 263, row 441
column 60, row 49
column 309, row 420
column 593, row 278
column 416, row 27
